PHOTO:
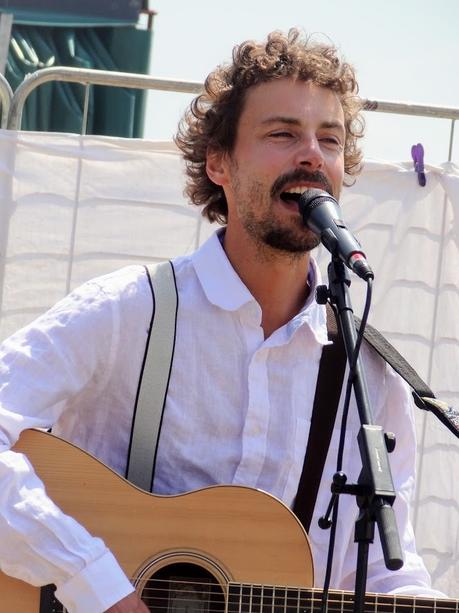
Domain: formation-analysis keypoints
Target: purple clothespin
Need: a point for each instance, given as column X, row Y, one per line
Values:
column 417, row 153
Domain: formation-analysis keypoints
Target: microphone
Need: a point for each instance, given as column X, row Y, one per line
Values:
column 321, row 213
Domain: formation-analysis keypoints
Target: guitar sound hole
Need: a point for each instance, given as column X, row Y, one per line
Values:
column 183, row 588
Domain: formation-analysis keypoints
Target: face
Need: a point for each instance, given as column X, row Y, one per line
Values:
column 290, row 137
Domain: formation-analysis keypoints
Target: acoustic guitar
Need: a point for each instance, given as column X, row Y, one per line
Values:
column 220, row 549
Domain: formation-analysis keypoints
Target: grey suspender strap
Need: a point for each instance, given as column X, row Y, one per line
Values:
column 154, row 377
column 156, row 368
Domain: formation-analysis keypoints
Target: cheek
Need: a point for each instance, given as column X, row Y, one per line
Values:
column 261, row 175
column 262, row 159
column 335, row 169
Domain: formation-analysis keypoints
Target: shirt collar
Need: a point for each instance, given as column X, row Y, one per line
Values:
column 220, row 282
column 224, row 288
column 312, row 314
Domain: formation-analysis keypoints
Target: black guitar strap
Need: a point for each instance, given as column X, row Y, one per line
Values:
column 328, row 390
column 424, row 397
column 326, row 400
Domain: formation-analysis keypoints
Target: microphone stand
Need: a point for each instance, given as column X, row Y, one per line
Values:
column 374, row 490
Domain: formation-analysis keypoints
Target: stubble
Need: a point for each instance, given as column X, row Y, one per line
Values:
column 275, row 235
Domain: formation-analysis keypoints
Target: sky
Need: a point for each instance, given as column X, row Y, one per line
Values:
column 403, row 50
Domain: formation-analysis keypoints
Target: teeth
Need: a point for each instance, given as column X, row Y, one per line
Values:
column 295, row 190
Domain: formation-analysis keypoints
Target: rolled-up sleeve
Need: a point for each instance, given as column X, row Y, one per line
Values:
column 42, row 368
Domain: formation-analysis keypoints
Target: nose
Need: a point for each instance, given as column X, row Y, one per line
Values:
column 309, row 154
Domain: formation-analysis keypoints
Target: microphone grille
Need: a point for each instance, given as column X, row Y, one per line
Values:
column 312, row 198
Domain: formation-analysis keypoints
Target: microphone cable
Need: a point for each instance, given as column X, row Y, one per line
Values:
column 323, row 523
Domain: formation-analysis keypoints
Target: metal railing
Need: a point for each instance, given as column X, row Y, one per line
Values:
column 88, row 78
column 138, row 81
column 6, row 95
column 418, row 110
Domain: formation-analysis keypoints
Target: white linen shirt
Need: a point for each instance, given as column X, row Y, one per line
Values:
column 238, row 412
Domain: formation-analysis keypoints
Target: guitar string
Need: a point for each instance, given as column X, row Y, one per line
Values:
column 343, row 607
column 346, row 607
column 285, row 590
column 259, row 597
column 278, row 602
column 315, row 592
column 304, row 590
column 259, row 604
column 282, row 600
column 404, row 602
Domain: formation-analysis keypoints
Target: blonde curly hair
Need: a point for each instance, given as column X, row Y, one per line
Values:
column 211, row 121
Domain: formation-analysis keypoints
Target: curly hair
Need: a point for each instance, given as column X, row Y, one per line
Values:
column 211, row 121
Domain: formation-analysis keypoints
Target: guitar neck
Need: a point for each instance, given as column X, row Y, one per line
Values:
column 247, row 598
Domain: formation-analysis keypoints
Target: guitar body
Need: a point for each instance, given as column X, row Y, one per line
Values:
column 227, row 533
column 222, row 549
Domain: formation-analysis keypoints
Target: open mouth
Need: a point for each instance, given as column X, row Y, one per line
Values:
column 290, row 200
column 290, row 197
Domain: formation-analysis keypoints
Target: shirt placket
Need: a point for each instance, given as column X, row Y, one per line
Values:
column 255, row 426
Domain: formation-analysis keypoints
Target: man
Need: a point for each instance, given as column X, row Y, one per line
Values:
column 281, row 118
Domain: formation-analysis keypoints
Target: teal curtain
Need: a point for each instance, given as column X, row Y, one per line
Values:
column 59, row 106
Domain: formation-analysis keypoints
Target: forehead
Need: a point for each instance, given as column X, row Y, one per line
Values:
column 302, row 101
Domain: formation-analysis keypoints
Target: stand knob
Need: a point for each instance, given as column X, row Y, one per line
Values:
column 325, row 523
column 390, row 440
column 322, row 294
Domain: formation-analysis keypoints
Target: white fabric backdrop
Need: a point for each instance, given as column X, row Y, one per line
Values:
column 75, row 207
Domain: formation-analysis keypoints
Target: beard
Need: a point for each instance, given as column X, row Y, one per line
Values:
column 264, row 224
column 268, row 231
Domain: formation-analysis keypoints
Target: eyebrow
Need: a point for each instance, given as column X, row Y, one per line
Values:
column 280, row 119
column 296, row 122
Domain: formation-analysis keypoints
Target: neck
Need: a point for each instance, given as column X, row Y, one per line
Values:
column 309, row 599
column 277, row 280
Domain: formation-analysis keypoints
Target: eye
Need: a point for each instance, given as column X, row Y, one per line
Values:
column 331, row 141
column 281, row 134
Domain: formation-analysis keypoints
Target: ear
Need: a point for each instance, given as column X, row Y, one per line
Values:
column 216, row 167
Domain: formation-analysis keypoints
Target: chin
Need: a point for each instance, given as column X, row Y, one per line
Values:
column 289, row 242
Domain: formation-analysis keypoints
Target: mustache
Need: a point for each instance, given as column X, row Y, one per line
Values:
column 301, row 176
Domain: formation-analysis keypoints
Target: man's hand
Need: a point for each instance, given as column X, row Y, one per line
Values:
column 129, row 604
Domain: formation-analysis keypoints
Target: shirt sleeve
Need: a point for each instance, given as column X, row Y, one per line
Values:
column 42, row 369
column 395, row 415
